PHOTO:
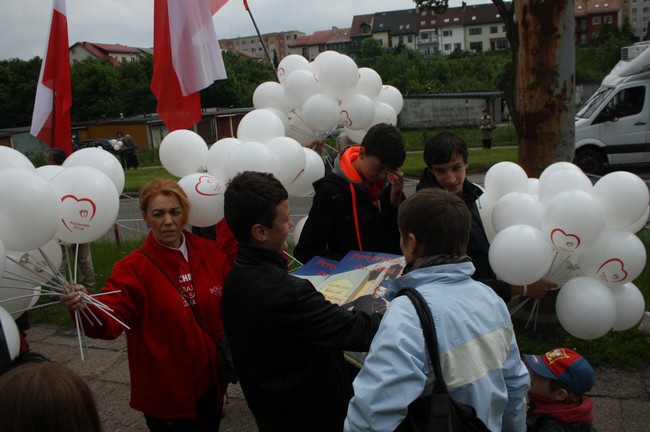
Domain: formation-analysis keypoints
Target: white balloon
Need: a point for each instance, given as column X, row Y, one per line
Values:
column 356, row 112
column 291, row 64
column 624, row 197
column 3, row 256
column 517, row 208
column 218, row 156
column 30, row 211
column 49, row 171
column 533, row 186
column 299, row 87
column 183, row 152
column 369, row 83
column 560, row 180
column 392, row 97
column 314, row 170
column 630, row 306
column 639, row 224
column 520, row 255
column 338, row 76
column 260, row 126
column 618, row 257
column 299, row 129
column 384, row 113
column 297, row 229
column 89, row 204
column 11, row 334
column 320, row 112
column 283, row 118
column 271, row 94
column 557, row 166
column 573, row 221
column 205, row 194
column 586, row 308
column 291, row 159
column 321, row 59
column 505, row 177
column 10, row 158
column 486, row 203
column 101, row 160
column 355, row 135
column 249, row 156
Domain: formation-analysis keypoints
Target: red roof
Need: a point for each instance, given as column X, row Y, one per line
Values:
column 323, row 37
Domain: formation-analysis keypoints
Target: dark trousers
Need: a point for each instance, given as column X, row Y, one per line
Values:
column 487, row 143
column 209, row 410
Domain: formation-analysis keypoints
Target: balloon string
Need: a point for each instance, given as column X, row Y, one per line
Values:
column 76, row 260
column 56, row 271
column 519, row 306
column 21, row 263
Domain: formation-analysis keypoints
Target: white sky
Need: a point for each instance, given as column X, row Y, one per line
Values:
column 24, row 24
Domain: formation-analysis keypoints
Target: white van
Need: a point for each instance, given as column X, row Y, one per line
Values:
column 613, row 127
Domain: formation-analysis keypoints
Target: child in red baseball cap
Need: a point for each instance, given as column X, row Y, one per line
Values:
column 559, row 380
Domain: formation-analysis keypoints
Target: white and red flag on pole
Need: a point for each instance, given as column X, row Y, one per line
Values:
column 187, row 58
column 51, row 117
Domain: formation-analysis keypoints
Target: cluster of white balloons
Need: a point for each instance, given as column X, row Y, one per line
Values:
column 75, row 203
column 205, row 172
column 563, row 228
column 313, row 98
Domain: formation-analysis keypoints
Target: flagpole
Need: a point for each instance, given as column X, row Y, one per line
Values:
column 260, row 37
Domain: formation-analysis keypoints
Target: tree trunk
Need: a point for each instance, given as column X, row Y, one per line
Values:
column 545, row 83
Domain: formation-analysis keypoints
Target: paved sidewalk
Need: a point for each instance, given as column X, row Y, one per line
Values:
column 621, row 398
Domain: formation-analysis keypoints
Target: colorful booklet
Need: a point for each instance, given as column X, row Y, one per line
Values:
column 316, row 270
column 359, row 282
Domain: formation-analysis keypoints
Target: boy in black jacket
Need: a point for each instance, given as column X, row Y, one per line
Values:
column 355, row 206
column 286, row 339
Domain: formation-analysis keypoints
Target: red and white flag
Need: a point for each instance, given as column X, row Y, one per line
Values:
column 51, row 117
column 187, row 58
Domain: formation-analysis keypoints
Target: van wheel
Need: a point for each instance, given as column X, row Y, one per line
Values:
column 590, row 161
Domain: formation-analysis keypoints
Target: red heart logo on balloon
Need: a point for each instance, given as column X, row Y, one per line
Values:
column 281, row 73
column 207, row 186
column 565, row 242
column 612, row 270
column 345, row 114
column 83, row 207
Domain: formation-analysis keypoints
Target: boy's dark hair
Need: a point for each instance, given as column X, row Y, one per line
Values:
column 441, row 149
column 386, row 143
column 55, row 156
column 438, row 219
column 251, row 198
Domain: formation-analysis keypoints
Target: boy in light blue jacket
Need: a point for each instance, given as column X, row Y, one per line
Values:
column 478, row 351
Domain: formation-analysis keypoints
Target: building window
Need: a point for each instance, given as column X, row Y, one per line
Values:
column 595, row 20
column 476, row 46
column 401, row 40
column 447, row 47
column 74, row 51
column 494, row 29
column 410, row 39
column 401, row 26
column 597, row 6
column 447, row 33
column 423, row 23
column 424, row 13
column 608, row 19
column 457, row 46
column 475, row 31
column 502, row 44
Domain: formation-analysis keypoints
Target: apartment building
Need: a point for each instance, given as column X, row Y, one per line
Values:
column 638, row 12
column 114, row 53
column 592, row 15
column 276, row 43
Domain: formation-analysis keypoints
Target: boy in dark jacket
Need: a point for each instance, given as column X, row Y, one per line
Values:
column 559, row 380
column 286, row 339
column 355, row 206
column 446, row 158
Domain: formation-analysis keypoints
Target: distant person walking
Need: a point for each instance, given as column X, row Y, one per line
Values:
column 487, row 126
column 130, row 152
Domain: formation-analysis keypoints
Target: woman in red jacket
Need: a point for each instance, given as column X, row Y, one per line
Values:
column 170, row 298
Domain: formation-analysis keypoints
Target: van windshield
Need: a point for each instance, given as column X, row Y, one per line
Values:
column 594, row 102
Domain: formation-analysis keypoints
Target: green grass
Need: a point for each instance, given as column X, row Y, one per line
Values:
column 135, row 179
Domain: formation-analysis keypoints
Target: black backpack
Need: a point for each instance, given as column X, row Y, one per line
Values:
column 437, row 412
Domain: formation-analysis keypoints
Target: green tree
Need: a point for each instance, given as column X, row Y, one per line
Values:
column 135, row 97
column 18, row 80
column 96, row 91
column 244, row 75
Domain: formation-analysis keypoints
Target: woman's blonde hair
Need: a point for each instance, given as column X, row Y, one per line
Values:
column 167, row 187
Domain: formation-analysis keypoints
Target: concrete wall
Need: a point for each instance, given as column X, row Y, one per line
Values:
column 434, row 112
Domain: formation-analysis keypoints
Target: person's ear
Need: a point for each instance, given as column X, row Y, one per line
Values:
column 362, row 152
column 258, row 233
column 561, row 395
column 412, row 244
